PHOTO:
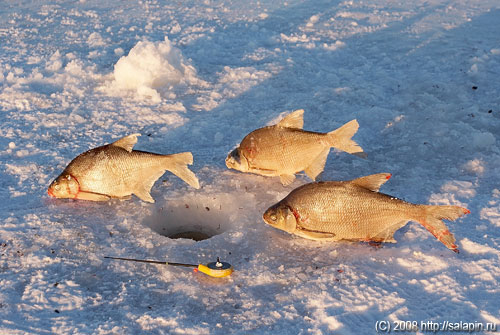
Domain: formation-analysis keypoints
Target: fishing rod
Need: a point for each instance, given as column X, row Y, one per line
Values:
column 216, row 269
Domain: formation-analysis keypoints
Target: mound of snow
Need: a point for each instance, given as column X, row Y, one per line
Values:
column 151, row 70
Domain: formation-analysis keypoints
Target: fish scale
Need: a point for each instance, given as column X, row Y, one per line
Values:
column 281, row 149
column 117, row 171
column 112, row 170
column 348, row 211
column 285, row 149
column 355, row 210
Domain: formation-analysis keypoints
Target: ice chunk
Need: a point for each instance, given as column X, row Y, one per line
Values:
column 152, row 69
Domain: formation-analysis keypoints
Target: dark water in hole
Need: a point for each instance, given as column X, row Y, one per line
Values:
column 192, row 235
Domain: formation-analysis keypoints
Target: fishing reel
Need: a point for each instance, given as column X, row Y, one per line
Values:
column 216, row 269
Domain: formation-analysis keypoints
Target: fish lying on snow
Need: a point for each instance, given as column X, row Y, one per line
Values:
column 285, row 149
column 117, row 171
column 355, row 210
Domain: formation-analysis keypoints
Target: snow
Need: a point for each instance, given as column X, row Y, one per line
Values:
column 421, row 78
column 150, row 67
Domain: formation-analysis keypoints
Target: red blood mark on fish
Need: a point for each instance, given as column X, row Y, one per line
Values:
column 252, row 152
column 295, row 213
column 431, row 229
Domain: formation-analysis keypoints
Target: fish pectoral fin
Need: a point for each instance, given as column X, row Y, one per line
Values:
column 315, row 235
column 82, row 195
column 287, row 179
column 263, row 172
column 318, row 165
column 293, row 120
column 127, row 142
column 372, row 182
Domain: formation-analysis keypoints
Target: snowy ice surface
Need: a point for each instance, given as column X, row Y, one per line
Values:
column 421, row 77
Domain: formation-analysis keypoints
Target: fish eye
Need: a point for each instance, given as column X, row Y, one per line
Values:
column 273, row 217
column 57, row 187
column 235, row 155
column 68, row 177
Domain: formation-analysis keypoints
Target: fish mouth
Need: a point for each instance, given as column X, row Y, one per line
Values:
column 228, row 162
column 49, row 192
column 267, row 216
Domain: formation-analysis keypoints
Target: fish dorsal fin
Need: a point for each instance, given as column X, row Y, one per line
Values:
column 372, row 182
column 293, row 120
column 127, row 142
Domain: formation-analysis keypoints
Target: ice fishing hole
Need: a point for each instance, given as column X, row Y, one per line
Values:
column 192, row 219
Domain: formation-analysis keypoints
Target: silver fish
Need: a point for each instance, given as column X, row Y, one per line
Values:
column 285, row 149
column 355, row 210
column 117, row 171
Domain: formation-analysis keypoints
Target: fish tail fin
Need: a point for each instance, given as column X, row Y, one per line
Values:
column 431, row 218
column 341, row 139
column 177, row 164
